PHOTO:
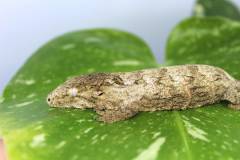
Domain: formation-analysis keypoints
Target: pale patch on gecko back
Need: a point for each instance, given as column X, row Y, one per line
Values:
column 152, row 151
column 73, row 92
column 205, row 69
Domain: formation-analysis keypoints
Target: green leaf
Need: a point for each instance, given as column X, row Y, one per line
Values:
column 213, row 41
column 34, row 131
column 224, row 8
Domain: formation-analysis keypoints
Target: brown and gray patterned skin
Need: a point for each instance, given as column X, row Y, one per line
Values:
column 119, row 96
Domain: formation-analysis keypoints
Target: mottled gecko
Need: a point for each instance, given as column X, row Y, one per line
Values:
column 119, row 96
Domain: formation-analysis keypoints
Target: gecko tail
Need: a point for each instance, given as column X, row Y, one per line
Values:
column 234, row 96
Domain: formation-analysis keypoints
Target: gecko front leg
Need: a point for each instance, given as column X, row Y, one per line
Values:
column 110, row 116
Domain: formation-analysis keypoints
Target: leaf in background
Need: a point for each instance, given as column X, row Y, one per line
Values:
column 34, row 131
column 224, row 8
column 213, row 41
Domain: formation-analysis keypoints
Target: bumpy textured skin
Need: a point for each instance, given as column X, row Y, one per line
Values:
column 119, row 96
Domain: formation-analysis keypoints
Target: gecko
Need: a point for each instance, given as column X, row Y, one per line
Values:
column 121, row 95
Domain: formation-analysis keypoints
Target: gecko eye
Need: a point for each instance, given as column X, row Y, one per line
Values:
column 73, row 92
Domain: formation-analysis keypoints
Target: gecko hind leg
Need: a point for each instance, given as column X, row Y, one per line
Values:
column 110, row 116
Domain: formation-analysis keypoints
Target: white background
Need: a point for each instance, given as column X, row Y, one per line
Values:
column 27, row 24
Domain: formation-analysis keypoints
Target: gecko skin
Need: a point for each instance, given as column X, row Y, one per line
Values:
column 119, row 96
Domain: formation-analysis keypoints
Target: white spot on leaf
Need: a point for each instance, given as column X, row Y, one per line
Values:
column 197, row 119
column 29, row 82
column 90, row 70
column 31, row 95
column 152, row 151
column 223, row 147
column 26, row 82
column 60, row 145
column 87, row 130
column 38, row 141
column 144, row 131
column 103, row 136
column 199, row 10
column 218, row 131
column 47, row 81
column 155, row 135
column 107, row 150
column 235, row 141
column 127, row 63
column 92, row 40
column 80, row 120
column 195, row 132
column 68, row 46
column 14, row 96
column 94, row 141
column 95, row 137
column 75, row 157
column 38, row 127
column 2, row 99
column 24, row 104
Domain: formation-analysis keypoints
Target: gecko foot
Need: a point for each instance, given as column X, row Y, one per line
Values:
column 234, row 106
column 110, row 116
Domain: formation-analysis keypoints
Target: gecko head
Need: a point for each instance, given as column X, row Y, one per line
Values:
column 75, row 92
column 62, row 96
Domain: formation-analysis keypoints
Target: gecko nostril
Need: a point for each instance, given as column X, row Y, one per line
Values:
column 48, row 99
